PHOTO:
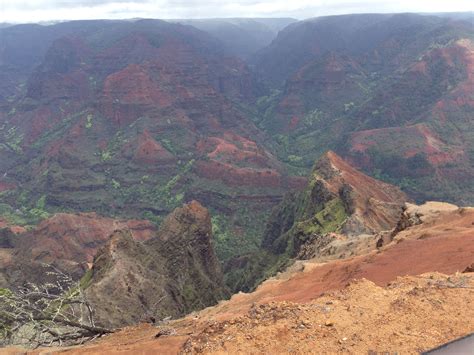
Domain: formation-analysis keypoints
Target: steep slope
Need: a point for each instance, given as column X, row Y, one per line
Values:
column 340, row 206
column 356, row 305
column 67, row 242
column 389, row 92
column 437, row 146
column 389, row 40
column 169, row 275
column 242, row 37
column 133, row 118
column 129, row 271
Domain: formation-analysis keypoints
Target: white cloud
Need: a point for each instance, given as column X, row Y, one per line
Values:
column 45, row 10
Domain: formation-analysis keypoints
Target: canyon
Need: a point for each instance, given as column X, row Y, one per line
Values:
column 240, row 185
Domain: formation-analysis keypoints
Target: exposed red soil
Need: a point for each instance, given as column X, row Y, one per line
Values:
column 325, row 77
column 294, row 122
column 77, row 237
column 238, row 161
column 4, row 186
column 134, row 85
column 370, row 187
column 6, row 259
column 411, row 315
column 40, row 124
column 377, row 204
column 418, row 138
column 462, row 94
column 129, row 88
column 290, row 106
column 62, row 75
column 14, row 229
column 415, row 139
column 233, row 149
column 444, row 243
column 420, row 67
column 235, row 176
column 149, row 151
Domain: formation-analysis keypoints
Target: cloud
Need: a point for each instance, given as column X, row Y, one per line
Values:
column 46, row 10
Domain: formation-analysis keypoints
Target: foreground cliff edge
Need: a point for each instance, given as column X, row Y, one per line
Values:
column 352, row 293
column 354, row 305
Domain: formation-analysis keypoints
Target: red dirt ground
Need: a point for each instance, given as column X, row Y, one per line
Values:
column 443, row 244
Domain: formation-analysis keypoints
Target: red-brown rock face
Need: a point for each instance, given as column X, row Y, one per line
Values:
column 171, row 274
column 125, row 117
column 149, row 151
column 67, row 241
column 375, row 204
column 77, row 237
column 337, row 199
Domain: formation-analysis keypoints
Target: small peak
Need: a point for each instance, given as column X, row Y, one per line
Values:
column 329, row 165
column 335, row 160
column 195, row 206
column 193, row 210
column 192, row 216
column 119, row 239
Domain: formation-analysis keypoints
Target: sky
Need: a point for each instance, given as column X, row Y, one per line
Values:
column 22, row 11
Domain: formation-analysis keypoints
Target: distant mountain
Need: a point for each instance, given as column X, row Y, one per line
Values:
column 161, row 164
column 242, row 37
column 390, row 92
column 468, row 16
column 132, row 118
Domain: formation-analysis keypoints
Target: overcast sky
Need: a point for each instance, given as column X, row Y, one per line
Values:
column 45, row 10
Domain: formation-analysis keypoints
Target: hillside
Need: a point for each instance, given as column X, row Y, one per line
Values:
column 322, row 304
column 128, row 271
column 132, row 119
column 242, row 37
column 341, row 212
column 389, row 92
column 237, row 185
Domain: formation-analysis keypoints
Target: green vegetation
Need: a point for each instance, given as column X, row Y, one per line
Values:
column 329, row 219
column 27, row 214
column 297, row 219
column 230, row 242
column 265, row 107
column 89, row 121
column 294, row 159
column 105, row 155
column 86, row 279
column 115, row 184
column 166, row 143
column 313, row 118
column 257, row 268
column 58, row 130
column 349, row 106
column 393, row 167
column 12, row 139
column 113, row 147
column 5, row 323
column 167, row 193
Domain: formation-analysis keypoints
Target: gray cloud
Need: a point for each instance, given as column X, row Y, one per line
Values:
column 44, row 10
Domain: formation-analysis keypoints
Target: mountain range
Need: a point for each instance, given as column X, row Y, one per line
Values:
column 166, row 165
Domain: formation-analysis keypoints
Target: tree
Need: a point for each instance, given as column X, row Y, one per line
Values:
column 55, row 313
